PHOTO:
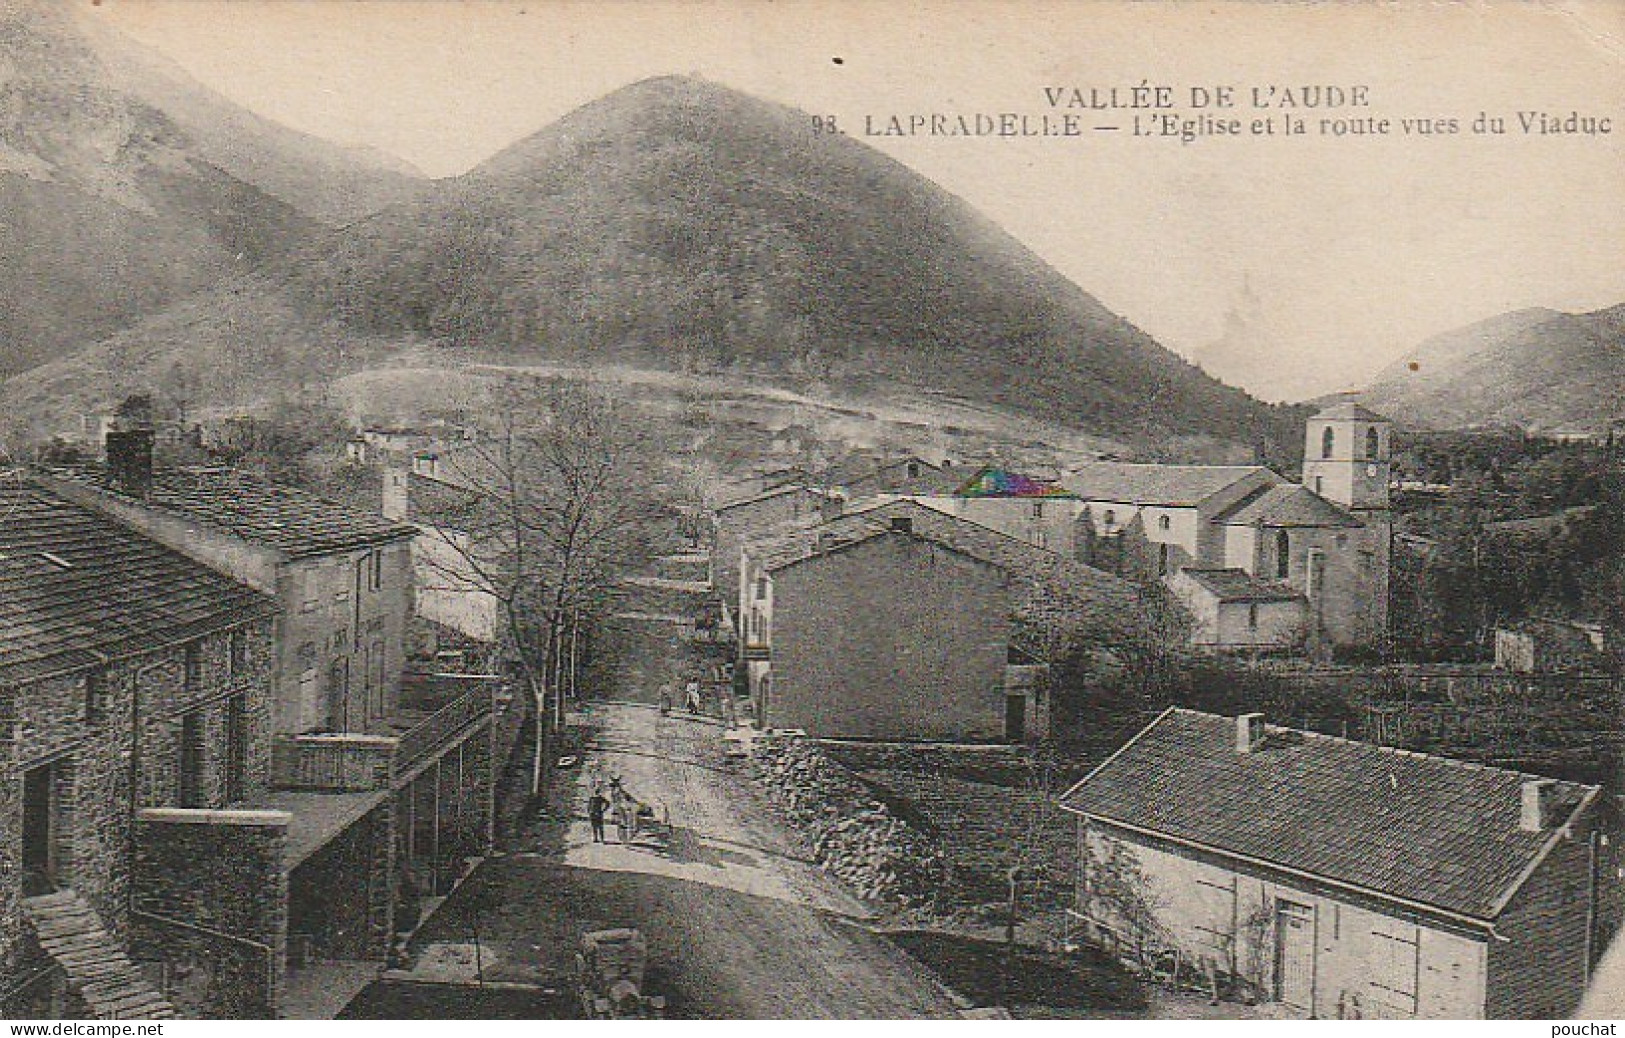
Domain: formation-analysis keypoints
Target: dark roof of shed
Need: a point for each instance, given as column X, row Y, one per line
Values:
column 113, row 593
column 1418, row 828
column 292, row 521
column 1237, row 585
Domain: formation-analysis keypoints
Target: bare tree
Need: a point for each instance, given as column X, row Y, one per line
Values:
column 544, row 512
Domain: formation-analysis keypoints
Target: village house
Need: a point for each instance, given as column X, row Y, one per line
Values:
column 135, row 685
column 735, row 520
column 897, row 621
column 343, row 577
column 1041, row 512
column 382, row 782
column 1343, row 879
column 450, row 589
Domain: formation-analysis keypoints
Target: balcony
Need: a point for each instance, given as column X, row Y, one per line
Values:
column 436, row 710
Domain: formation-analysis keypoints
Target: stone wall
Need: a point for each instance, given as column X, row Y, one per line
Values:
column 853, row 835
column 210, row 899
column 339, row 899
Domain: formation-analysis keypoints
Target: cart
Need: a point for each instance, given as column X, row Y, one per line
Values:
column 610, row 969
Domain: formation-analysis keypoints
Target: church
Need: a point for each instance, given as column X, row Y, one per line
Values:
column 1259, row 563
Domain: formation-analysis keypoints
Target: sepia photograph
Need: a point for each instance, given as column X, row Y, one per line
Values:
column 700, row 510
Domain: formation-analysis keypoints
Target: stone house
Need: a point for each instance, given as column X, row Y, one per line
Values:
column 132, row 681
column 1542, row 646
column 897, row 621
column 1039, row 511
column 734, row 521
column 1342, row 879
column 343, row 577
column 381, row 789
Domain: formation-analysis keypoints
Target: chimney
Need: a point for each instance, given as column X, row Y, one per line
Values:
column 129, row 460
column 1249, row 733
column 902, row 524
column 395, row 503
column 1537, row 806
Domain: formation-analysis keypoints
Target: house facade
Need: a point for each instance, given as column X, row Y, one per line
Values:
column 897, row 621
column 382, row 781
column 1342, row 879
column 132, row 680
column 733, row 522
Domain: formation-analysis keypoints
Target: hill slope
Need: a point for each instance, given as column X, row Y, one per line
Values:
column 1539, row 369
column 334, row 184
column 680, row 223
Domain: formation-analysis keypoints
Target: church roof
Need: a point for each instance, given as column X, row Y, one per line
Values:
column 1144, row 484
column 1348, row 410
column 1286, row 505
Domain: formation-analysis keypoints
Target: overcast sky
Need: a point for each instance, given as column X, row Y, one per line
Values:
column 1325, row 257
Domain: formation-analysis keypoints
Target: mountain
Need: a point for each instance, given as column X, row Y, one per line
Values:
column 116, row 202
column 1538, row 369
column 332, row 183
column 680, row 225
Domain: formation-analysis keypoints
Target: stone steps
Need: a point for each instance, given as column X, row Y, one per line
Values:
column 98, row 970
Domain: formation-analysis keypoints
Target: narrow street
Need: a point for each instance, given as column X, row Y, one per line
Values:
column 738, row 925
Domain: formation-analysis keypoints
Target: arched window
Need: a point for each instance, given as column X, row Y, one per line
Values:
column 1372, row 442
column 1283, row 555
column 1111, row 519
column 1163, row 522
column 1326, row 438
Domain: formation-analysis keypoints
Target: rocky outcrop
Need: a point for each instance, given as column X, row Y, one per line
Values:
column 853, row 835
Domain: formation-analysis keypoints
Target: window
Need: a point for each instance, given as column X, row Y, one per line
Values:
column 1283, row 555
column 1038, row 509
column 1163, row 522
column 1395, row 965
column 1110, row 519
column 375, row 579
column 95, row 695
column 1327, row 437
column 1252, row 616
column 1373, row 443
column 1320, row 484
column 239, row 652
column 236, row 748
column 194, row 666
column 913, row 470
column 190, row 785
column 1162, row 559
column 761, row 588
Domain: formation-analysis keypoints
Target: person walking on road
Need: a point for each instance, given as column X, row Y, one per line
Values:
column 596, row 808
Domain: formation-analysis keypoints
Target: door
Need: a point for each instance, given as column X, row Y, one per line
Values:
column 40, row 835
column 1295, row 954
column 1015, row 718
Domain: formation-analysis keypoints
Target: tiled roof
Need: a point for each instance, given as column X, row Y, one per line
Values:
column 1348, row 410
column 996, row 482
column 1405, row 825
column 1237, row 585
column 1139, row 484
column 77, row 588
column 295, row 522
column 767, row 495
column 1287, row 504
column 1056, row 592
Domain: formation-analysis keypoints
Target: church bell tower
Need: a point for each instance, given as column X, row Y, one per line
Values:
column 1346, row 457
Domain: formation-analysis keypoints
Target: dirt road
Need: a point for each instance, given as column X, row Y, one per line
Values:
column 738, row 926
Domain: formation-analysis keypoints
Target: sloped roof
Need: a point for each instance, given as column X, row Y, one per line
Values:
column 1055, row 592
column 1145, row 484
column 1237, row 585
column 755, row 497
column 77, row 589
column 1348, row 410
column 292, row 521
column 996, row 482
column 1287, row 504
column 1422, row 829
